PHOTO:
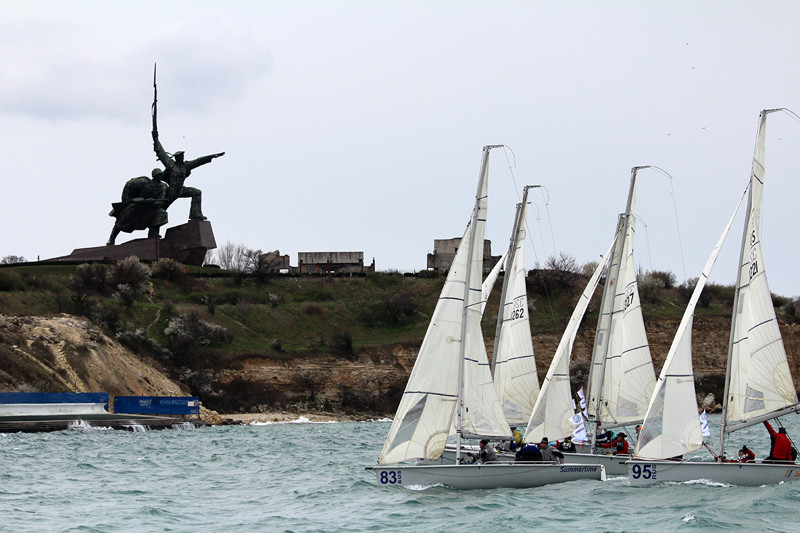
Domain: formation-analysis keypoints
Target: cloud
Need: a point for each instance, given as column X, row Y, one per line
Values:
column 76, row 74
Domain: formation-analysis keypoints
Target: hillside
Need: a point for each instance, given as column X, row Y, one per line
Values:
column 248, row 344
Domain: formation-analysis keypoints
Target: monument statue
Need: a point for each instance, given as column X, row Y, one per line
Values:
column 143, row 206
column 177, row 169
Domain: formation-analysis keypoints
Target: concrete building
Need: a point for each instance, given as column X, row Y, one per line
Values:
column 444, row 251
column 332, row 263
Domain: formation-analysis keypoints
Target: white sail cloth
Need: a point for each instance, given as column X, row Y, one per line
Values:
column 553, row 413
column 515, row 376
column 622, row 377
column 429, row 403
column 760, row 380
column 671, row 426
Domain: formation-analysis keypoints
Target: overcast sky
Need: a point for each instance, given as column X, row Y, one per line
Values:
column 358, row 126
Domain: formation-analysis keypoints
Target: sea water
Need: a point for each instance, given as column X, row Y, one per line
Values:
column 310, row 477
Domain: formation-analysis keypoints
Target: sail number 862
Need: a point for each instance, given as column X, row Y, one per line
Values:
column 643, row 471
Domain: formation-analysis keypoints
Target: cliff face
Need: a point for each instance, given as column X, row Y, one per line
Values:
column 68, row 354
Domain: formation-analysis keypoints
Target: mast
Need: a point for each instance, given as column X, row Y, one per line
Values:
column 609, row 296
column 479, row 197
column 510, row 255
column 757, row 168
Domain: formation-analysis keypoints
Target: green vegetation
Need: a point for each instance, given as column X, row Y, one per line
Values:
column 170, row 308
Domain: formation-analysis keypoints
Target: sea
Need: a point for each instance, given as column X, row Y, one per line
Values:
column 302, row 477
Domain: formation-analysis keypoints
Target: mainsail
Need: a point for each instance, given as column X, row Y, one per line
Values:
column 513, row 363
column 553, row 413
column 759, row 385
column 671, row 426
column 448, row 371
column 621, row 375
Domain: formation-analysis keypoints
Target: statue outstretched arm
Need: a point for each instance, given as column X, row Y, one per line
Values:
column 194, row 163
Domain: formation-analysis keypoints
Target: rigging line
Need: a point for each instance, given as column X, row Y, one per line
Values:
column 511, row 166
column 647, row 240
column 538, row 264
column 675, row 211
column 549, row 221
column 789, row 112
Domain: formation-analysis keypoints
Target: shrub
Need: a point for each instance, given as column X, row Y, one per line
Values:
column 139, row 343
column 11, row 281
column 312, row 309
column 342, row 344
column 398, row 310
column 188, row 329
column 90, row 277
column 170, row 270
column 108, row 316
column 130, row 271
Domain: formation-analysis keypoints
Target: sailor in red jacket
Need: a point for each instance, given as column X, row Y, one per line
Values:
column 780, row 450
column 746, row 455
column 620, row 445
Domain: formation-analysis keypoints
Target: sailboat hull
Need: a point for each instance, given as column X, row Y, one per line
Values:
column 485, row 476
column 613, row 464
column 643, row 473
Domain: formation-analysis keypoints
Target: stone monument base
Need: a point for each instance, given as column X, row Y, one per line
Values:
column 187, row 243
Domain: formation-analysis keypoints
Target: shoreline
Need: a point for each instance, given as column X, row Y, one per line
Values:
column 292, row 417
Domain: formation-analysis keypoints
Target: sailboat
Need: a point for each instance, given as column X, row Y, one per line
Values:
column 621, row 375
column 513, row 363
column 451, row 386
column 758, row 384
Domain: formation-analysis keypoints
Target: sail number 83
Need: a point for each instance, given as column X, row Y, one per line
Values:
column 643, row 471
column 391, row 477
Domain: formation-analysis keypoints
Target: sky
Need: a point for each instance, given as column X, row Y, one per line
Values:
column 358, row 125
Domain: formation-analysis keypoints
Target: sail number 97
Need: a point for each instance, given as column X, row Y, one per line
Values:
column 643, row 471
column 391, row 477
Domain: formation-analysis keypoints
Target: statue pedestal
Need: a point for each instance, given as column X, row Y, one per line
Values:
column 187, row 243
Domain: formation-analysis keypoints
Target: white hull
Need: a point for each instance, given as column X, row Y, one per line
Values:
column 613, row 464
column 487, row 476
column 643, row 473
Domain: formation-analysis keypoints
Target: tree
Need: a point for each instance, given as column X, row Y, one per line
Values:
column 12, row 260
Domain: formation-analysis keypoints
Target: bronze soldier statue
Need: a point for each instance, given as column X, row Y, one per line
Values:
column 143, row 206
column 177, row 169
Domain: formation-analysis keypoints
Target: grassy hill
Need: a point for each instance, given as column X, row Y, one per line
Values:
column 241, row 341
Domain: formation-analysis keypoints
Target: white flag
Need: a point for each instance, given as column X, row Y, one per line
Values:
column 704, row 424
column 583, row 403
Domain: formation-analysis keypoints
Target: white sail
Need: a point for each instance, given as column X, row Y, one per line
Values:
column 482, row 413
column 488, row 283
column 553, row 414
column 671, row 426
column 514, row 365
column 760, row 383
column 620, row 394
column 426, row 411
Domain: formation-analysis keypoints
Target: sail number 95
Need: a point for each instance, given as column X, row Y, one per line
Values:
column 391, row 477
column 643, row 471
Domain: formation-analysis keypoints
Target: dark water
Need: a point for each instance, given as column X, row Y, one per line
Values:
column 311, row 477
